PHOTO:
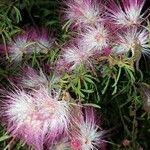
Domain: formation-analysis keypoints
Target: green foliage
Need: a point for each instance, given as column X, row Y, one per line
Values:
column 10, row 16
column 81, row 82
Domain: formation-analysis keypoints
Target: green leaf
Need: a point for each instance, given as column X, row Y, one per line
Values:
column 87, row 91
column 4, row 137
column 93, row 105
column 18, row 14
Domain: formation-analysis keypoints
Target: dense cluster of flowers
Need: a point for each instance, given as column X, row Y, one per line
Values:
column 37, row 112
column 41, row 117
column 102, row 30
column 105, row 29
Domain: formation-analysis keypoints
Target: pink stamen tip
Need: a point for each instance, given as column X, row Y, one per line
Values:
column 75, row 144
column 98, row 36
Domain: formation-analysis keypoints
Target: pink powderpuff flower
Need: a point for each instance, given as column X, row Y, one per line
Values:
column 32, row 79
column 43, row 40
column 130, row 39
column 36, row 118
column 127, row 14
column 88, row 135
column 21, row 44
column 96, row 38
column 77, row 55
column 84, row 12
column 57, row 111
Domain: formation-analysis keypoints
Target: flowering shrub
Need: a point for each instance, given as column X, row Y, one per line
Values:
column 76, row 77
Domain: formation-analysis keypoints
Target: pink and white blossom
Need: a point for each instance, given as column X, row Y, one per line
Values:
column 30, row 41
column 130, row 39
column 126, row 13
column 77, row 55
column 43, row 40
column 96, row 38
column 20, row 45
column 37, row 117
column 88, row 135
column 84, row 12
column 57, row 109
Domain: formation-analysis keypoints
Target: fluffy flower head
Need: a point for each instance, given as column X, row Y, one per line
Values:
column 127, row 15
column 36, row 117
column 84, row 12
column 77, row 55
column 131, row 39
column 20, row 45
column 88, row 136
column 43, row 40
column 29, row 41
column 96, row 37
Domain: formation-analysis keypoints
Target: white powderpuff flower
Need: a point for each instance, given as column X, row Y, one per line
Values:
column 20, row 45
column 76, row 55
column 96, row 38
column 43, row 40
column 88, row 135
column 37, row 117
column 129, row 14
column 84, row 12
column 130, row 39
column 133, row 11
